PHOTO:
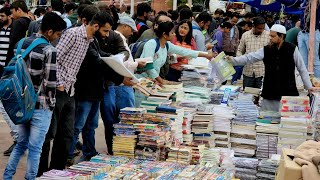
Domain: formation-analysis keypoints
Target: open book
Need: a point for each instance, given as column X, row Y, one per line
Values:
column 116, row 63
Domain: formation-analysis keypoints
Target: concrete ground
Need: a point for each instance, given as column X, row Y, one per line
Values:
column 6, row 141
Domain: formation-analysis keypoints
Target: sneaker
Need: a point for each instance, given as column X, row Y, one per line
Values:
column 79, row 145
column 76, row 152
column 8, row 151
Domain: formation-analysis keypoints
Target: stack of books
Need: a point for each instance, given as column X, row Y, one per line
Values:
column 222, row 125
column 130, row 115
column 124, row 141
column 243, row 133
column 246, row 168
column 267, row 169
column 196, row 153
column 202, row 123
column 177, row 90
column 176, row 115
column 295, row 122
column 180, row 155
column 195, row 93
column 210, row 157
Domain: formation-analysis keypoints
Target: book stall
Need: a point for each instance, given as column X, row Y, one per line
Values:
column 193, row 130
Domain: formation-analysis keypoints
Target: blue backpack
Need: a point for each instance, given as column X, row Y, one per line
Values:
column 16, row 89
column 137, row 48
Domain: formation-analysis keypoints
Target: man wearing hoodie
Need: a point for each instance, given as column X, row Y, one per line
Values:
column 20, row 25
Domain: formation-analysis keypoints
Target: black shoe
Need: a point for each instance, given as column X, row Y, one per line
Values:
column 79, row 145
column 8, row 151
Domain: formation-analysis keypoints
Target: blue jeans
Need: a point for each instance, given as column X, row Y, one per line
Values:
column 114, row 99
column 124, row 97
column 13, row 127
column 31, row 137
column 303, row 43
column 86, row 121
column 238, row 73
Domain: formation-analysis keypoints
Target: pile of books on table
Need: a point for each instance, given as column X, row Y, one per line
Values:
column 246, row 168
column 295, row 122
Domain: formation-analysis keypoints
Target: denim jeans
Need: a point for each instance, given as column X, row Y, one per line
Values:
column 13, row 127
column 124, row 97
column 31, row 137
column 303, row 43
column 115, row 98
column 86, row 121
column 61, row 131
column 238, row 73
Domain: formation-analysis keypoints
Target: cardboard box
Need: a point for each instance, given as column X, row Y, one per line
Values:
column 288, row 169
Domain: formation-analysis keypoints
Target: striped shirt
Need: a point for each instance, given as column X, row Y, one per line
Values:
column 251, row 43
column 71, row 51
column 4, row 44
column 42, row 66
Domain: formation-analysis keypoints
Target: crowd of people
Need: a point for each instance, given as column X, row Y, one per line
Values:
column 76, row 85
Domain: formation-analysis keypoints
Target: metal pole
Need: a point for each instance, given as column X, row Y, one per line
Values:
column 132, row 8
column 175, row 4
column 312, row 35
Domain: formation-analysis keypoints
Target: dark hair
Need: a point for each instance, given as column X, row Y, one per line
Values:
column 174, row 15
column 188, row 37
column 19, row 4
column 46, row 23
column 249, row 15
column 2, row 2
column 204, row 16
column 39, row 11
column 70, row 6
column 249, row 23
column 163, row 27
column 163, row 13
column 143, row 8
column 88, row 12
column 5, row 10
column 185, row 13
column 183, row 6
column 258, row 20
column 234, row 15
column 57, row 5
column 101, row 18
column 219, row 11
column 88, row 2
column 81, row 8
column 170, row 11
column 226, row 25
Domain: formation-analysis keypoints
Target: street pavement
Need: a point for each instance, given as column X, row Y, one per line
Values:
column 6, row 141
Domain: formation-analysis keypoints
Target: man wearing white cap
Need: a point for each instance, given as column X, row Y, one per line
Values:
column 125, row 94
column 280, row 59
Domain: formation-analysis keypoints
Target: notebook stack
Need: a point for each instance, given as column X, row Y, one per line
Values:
column 246, row 168
column 295, row 122
column 197, row 94
column 124, row 141
column 180, row 155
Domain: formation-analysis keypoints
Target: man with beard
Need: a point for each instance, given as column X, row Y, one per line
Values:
column 6, row 22
column 280, row 59
column 89, row 93
column 251, row 41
